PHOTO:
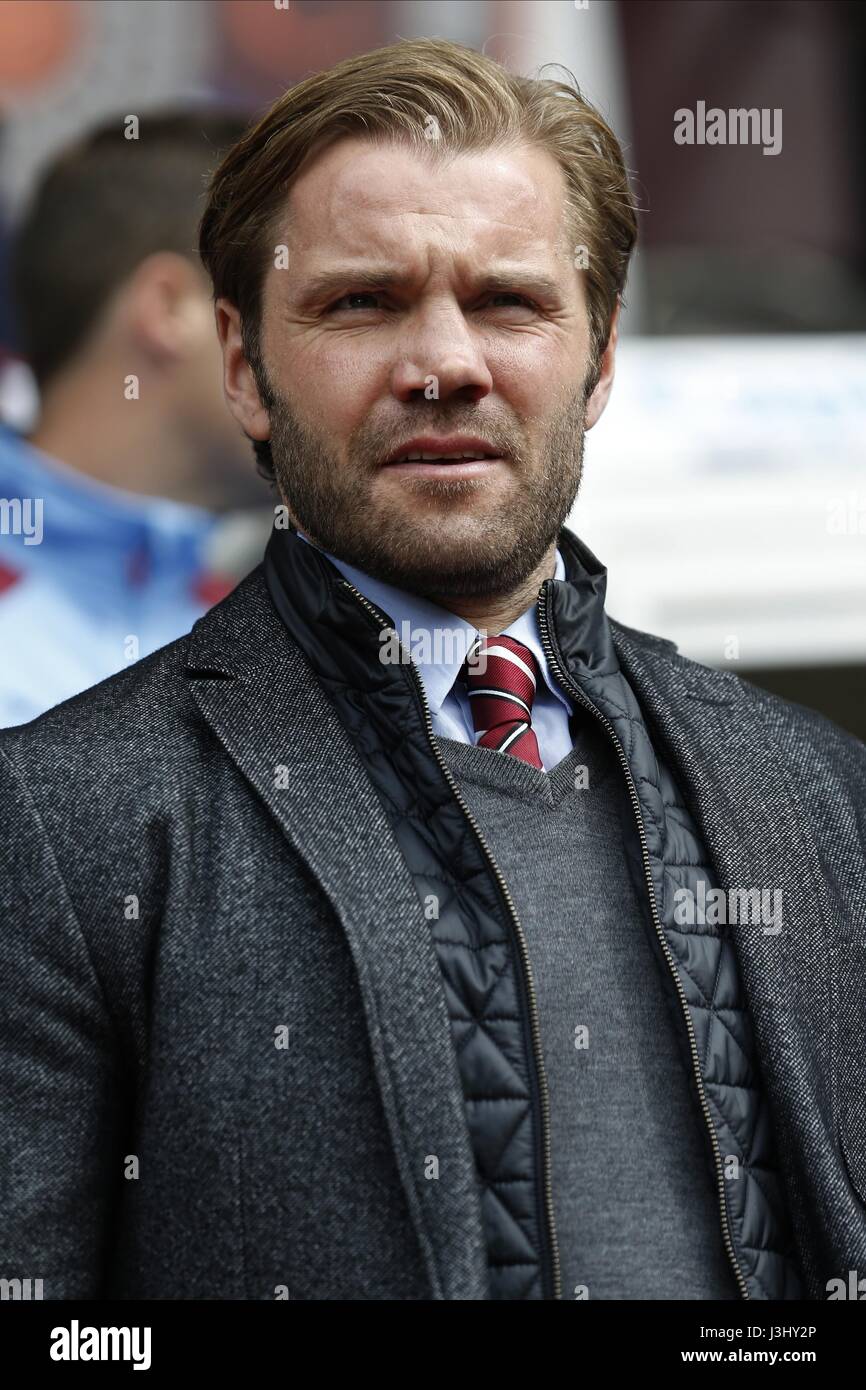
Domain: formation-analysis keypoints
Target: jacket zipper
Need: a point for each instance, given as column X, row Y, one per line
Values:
column 544, row 602
column 543, row 1092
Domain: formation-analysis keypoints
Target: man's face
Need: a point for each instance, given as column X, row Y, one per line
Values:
column 428, row 307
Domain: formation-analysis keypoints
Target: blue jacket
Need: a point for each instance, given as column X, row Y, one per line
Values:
column 91, row 578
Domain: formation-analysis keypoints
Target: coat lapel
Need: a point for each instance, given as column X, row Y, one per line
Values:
column 259, row 695
column 757, row 834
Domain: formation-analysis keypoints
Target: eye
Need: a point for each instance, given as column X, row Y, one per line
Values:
column 500, row 300
column 353, row 294
column 348, row 301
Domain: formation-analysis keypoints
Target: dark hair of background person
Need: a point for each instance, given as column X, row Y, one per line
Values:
column 97, row 211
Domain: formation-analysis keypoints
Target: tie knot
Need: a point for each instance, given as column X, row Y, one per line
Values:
column 502, row 665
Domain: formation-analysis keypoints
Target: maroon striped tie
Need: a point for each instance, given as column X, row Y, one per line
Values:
column 501, row 694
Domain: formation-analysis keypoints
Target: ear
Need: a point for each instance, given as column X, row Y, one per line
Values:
column 161, row 307
column 599, row 398
column 239, row 384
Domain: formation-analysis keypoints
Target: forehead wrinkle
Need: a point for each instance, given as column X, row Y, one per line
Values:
column 465, row 217
column 383, row 237
column 469, row 210
column 353, row 165
column 356, row 210
column 360, row 198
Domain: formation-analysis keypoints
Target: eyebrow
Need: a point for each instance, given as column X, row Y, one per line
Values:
column 329, row 282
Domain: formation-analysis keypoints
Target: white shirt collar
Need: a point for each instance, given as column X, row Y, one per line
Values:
column 416, row 619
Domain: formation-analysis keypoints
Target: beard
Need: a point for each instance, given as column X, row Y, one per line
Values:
column 449, row 539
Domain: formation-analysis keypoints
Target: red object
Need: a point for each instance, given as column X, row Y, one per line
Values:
column 210, row 588
column 8, row 577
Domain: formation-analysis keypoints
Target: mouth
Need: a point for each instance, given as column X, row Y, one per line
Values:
column 456, row 457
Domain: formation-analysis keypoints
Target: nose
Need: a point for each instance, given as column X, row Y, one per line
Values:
column 439, row 357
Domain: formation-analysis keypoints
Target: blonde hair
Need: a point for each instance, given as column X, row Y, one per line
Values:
column 405, row 92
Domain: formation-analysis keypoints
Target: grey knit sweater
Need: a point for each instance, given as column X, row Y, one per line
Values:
column 634, row 1205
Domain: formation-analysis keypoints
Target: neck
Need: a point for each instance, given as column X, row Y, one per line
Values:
column 88, row 424
column 494, row 614
column 489, row 614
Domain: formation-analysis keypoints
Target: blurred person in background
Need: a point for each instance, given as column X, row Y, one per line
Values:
column 133, row 505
